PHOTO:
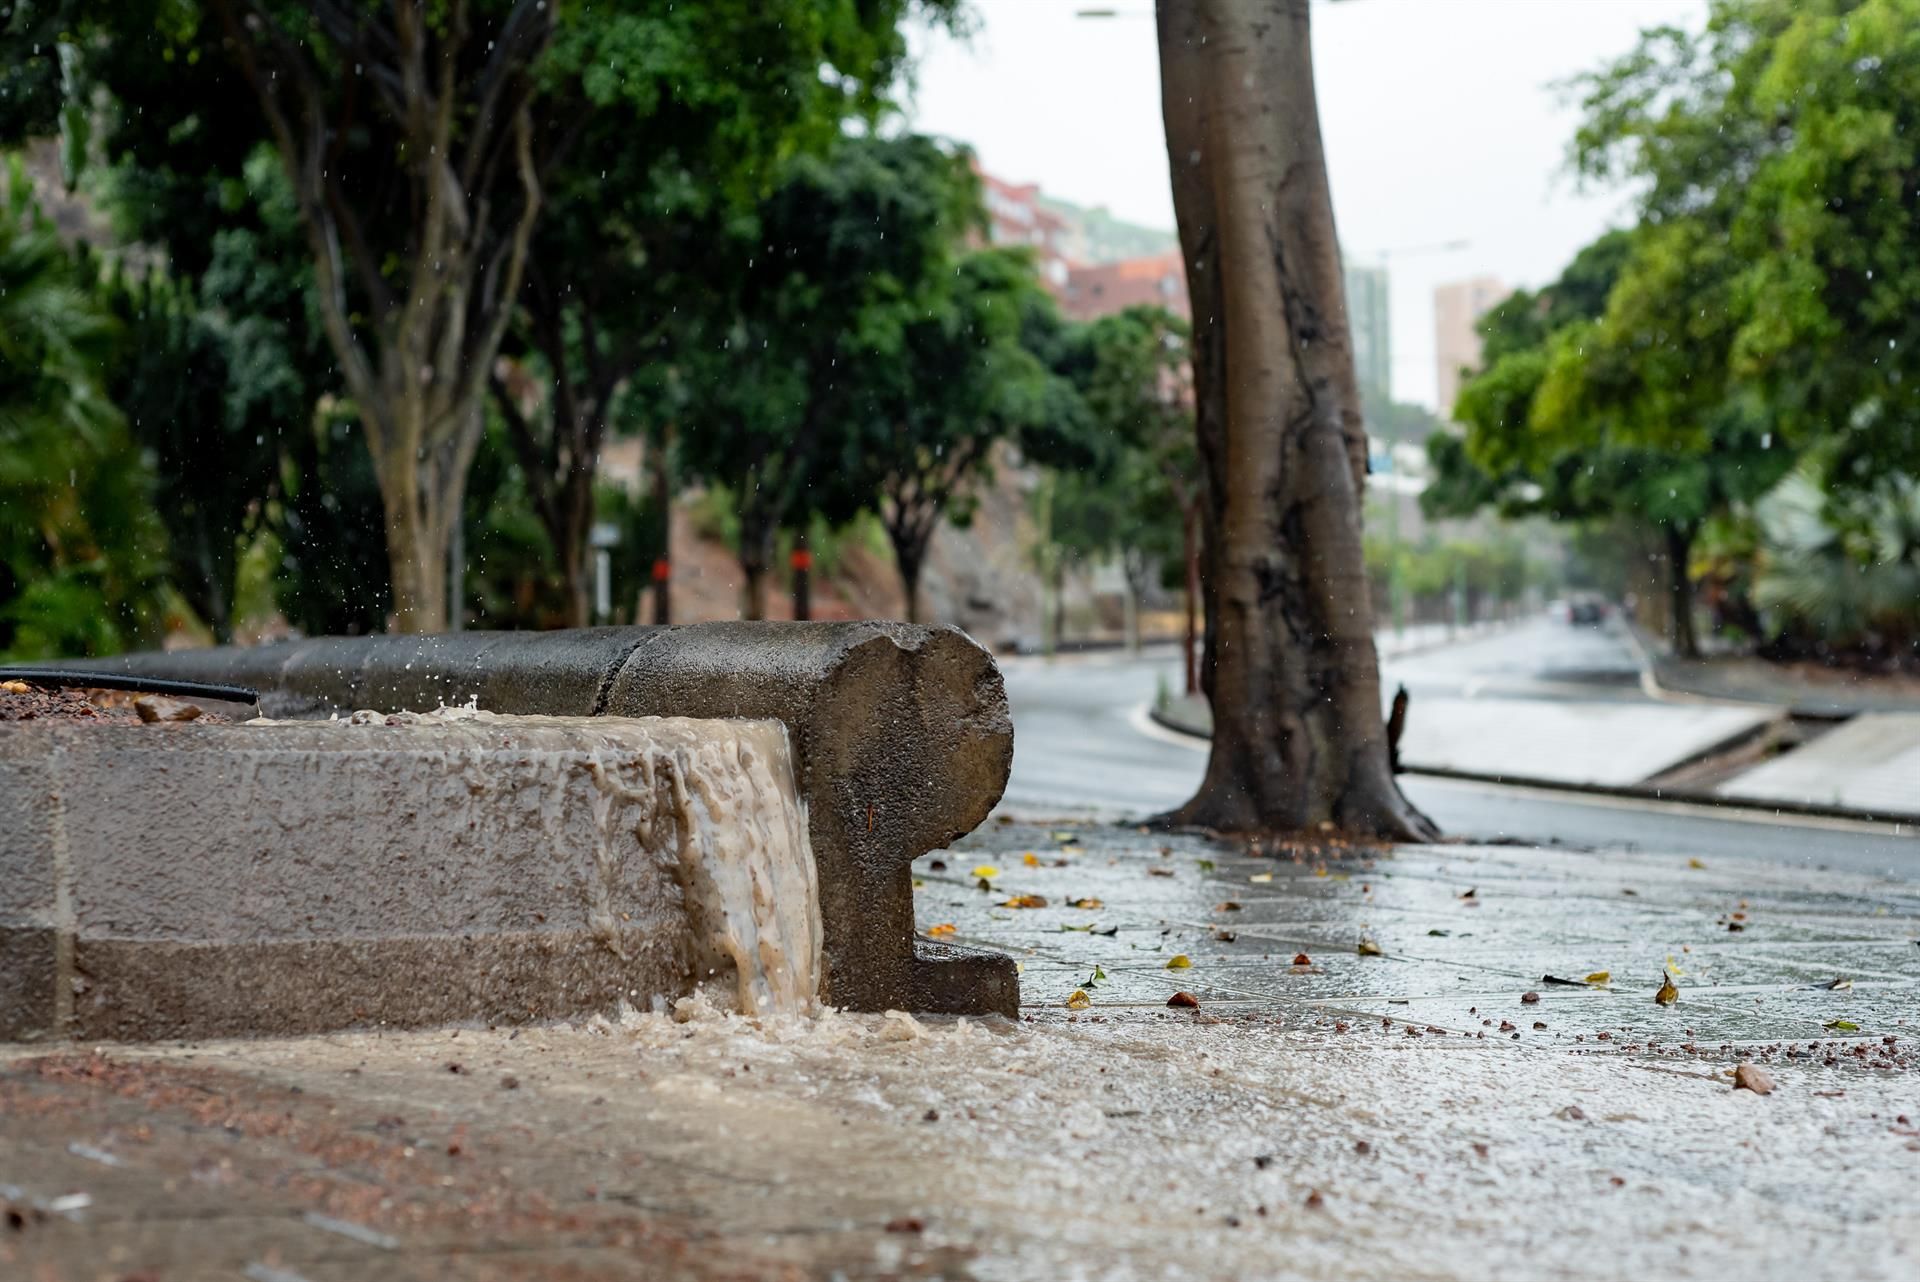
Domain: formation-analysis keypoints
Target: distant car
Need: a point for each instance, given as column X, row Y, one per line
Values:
column 1587, row 612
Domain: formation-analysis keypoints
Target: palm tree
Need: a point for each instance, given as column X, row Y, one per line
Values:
column 79, row 550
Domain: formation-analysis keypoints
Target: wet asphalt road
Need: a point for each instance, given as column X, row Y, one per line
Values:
column 1083, row 746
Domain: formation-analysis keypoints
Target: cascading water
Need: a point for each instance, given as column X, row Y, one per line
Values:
column 712, row 803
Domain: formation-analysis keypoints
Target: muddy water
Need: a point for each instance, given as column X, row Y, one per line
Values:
column 713, row 802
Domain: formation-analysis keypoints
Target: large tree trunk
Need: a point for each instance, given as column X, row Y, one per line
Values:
column 1686, row 643
column 1290, row 666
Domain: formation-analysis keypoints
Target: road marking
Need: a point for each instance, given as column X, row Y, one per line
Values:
column 1141, row 719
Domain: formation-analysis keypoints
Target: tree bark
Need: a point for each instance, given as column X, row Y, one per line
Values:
column 1686, row 643
column 1290, row 666
column 801, row 563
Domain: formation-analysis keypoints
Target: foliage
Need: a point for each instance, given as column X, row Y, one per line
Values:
column 80, row 568
column 1843, row 567
column 1778, row 152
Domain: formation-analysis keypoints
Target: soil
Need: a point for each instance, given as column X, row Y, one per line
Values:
column 21, row 701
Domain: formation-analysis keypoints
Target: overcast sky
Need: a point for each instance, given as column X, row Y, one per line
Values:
column 1440, row 116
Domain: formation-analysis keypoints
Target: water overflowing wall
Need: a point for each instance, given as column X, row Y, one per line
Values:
column 401, row 869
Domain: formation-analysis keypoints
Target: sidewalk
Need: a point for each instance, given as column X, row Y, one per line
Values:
column 1406, row 1114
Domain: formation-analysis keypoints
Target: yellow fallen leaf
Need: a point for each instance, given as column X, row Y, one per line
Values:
column 985, row 872
column 1262, row 878
column 1078, row 999
column 1695, row 863
column 1320, row 870
column 1368, row 948
column 1673, row 967
column 1088, row 904
column 1030, row 859
column 941, row 931
column 1668, row 994
column 1599, row 977
column 1179, row 961
column 1025, row 901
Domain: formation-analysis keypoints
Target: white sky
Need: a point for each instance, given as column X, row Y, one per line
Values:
column 1440, row 118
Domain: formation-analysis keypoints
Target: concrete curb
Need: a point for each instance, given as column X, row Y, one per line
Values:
column 901, row 736
column 1684, row 796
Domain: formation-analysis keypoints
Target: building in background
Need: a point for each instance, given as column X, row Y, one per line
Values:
column 1368, row 320
column 1100, row 289
column 1457, row 309
column 1016, row 216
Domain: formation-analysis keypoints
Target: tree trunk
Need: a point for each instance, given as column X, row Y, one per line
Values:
column 663, row 507
column 801, row 563
column 1190, row 553
column 1290, row 666
column 1686, row 644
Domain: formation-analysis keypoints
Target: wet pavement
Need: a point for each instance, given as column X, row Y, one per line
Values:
column 1323, row 1113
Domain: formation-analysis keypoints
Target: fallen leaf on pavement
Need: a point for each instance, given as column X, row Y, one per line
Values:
column 1301, row 959
column 1185, row 999
column 1368, row 948
column 1599, row 977
column 1078, row 999
column 1085, row 903
column 1025, row 901
column 1842, row 982
column 1206, row 865
column 1030, row 859
column 907, row 1224
column 1695, row 863
column 1179, row 961
column 1261, row 878
column 941, row 931
column 1529, row 998
column 1748, row 1078
column 1225, row 936
column 1842, row 1026
column 1572, row 1113
column 1227, row 906
column 1668, row 994
column 1158, row 871
column 985, row 871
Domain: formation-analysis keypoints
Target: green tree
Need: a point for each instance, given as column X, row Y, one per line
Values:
column 80, row 551
column 803, row 330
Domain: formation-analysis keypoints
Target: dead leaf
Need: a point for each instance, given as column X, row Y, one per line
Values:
column 1158, row 871
column 985, row 872
column 1599, row 977
column 1695, row 863
column 1261, row 878
column 1205, row 865
column 1025, row 901
column 1668, row 994
column 1225, row 936
column 1367, row 948
column 1227, row 906
column 1089, row 904
column 907, row 1224
column 1746, row 1077
column 1842, row 982
column 1078, row 999
column 1470, row 892
column 941, row 931
column 1530, row 998
column 1301, row 959
column 1184, row 999
column 1572, row 1113
column 1030, row 859
column 1179, row 961
column 1842, row 1026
